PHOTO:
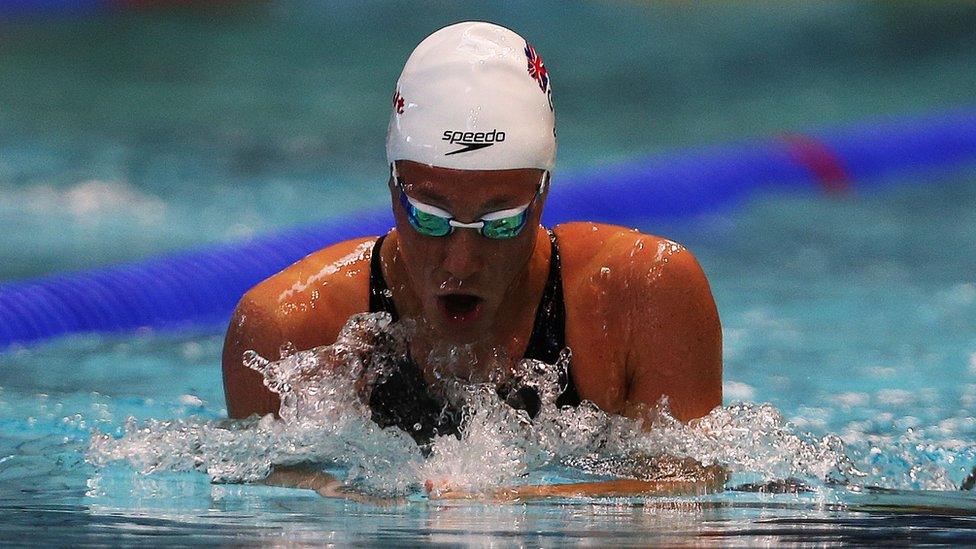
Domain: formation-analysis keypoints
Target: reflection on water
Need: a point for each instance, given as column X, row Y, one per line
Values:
column 269, row 516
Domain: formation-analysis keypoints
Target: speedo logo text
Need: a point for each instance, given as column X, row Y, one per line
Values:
column 472, row 141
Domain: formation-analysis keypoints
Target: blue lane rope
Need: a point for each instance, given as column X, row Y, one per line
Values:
column 202, row 286
column 51, row 7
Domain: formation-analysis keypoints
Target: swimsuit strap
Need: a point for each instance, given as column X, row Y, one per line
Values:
column 549, row 331
column 380, row 296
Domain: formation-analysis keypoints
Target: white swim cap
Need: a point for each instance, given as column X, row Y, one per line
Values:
column 473, row 96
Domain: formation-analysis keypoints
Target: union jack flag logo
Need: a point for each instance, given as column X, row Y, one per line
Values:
column 397, row 102
column 537, row 69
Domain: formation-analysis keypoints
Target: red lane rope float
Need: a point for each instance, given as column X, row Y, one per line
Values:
column 826, row 167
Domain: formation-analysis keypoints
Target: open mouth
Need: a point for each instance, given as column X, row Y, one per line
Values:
column 460, row 307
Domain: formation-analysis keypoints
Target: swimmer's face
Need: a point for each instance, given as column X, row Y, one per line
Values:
column 464, row 278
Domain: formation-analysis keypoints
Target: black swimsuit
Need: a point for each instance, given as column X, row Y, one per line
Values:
column 402, row 399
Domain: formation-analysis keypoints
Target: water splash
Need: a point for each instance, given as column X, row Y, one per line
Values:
column 324, row 420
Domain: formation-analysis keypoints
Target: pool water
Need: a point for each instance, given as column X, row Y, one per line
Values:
column 851, row 316
column 899, row 394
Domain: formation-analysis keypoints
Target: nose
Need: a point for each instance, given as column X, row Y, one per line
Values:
column 462, row 254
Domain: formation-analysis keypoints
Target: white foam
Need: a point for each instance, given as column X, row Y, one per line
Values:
column 324, row 421
column 736, row 390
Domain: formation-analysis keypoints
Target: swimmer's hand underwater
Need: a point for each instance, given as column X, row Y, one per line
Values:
column 325, row 484
column 696, row 479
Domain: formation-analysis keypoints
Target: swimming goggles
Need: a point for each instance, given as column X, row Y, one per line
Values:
column 432, row 221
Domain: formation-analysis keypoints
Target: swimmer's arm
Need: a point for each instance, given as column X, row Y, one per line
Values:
column 675, row 342
column 613, row 488
column 251, row 328
column 711, row 480
column 301, row 477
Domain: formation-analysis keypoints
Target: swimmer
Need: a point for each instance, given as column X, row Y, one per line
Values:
column 471, row 146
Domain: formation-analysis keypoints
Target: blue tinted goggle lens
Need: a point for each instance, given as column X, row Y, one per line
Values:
column 506, row 227
column 425, row 223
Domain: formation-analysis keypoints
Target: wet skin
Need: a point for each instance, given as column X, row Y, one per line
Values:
column 640, row 317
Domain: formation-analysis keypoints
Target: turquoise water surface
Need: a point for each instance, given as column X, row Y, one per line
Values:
column 127, row 135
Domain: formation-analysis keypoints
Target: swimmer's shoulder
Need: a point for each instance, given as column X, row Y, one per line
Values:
column 597, row 268
column 587, row 249
column 310, row 300
column 624, row 262
column 651, row 294
column 306, row 305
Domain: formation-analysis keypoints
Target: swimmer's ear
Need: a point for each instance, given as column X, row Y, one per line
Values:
column 544, row 186
column 391, row 181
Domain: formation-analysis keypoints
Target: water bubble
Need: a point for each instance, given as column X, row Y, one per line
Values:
column 190, row 400
column 287, row 349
